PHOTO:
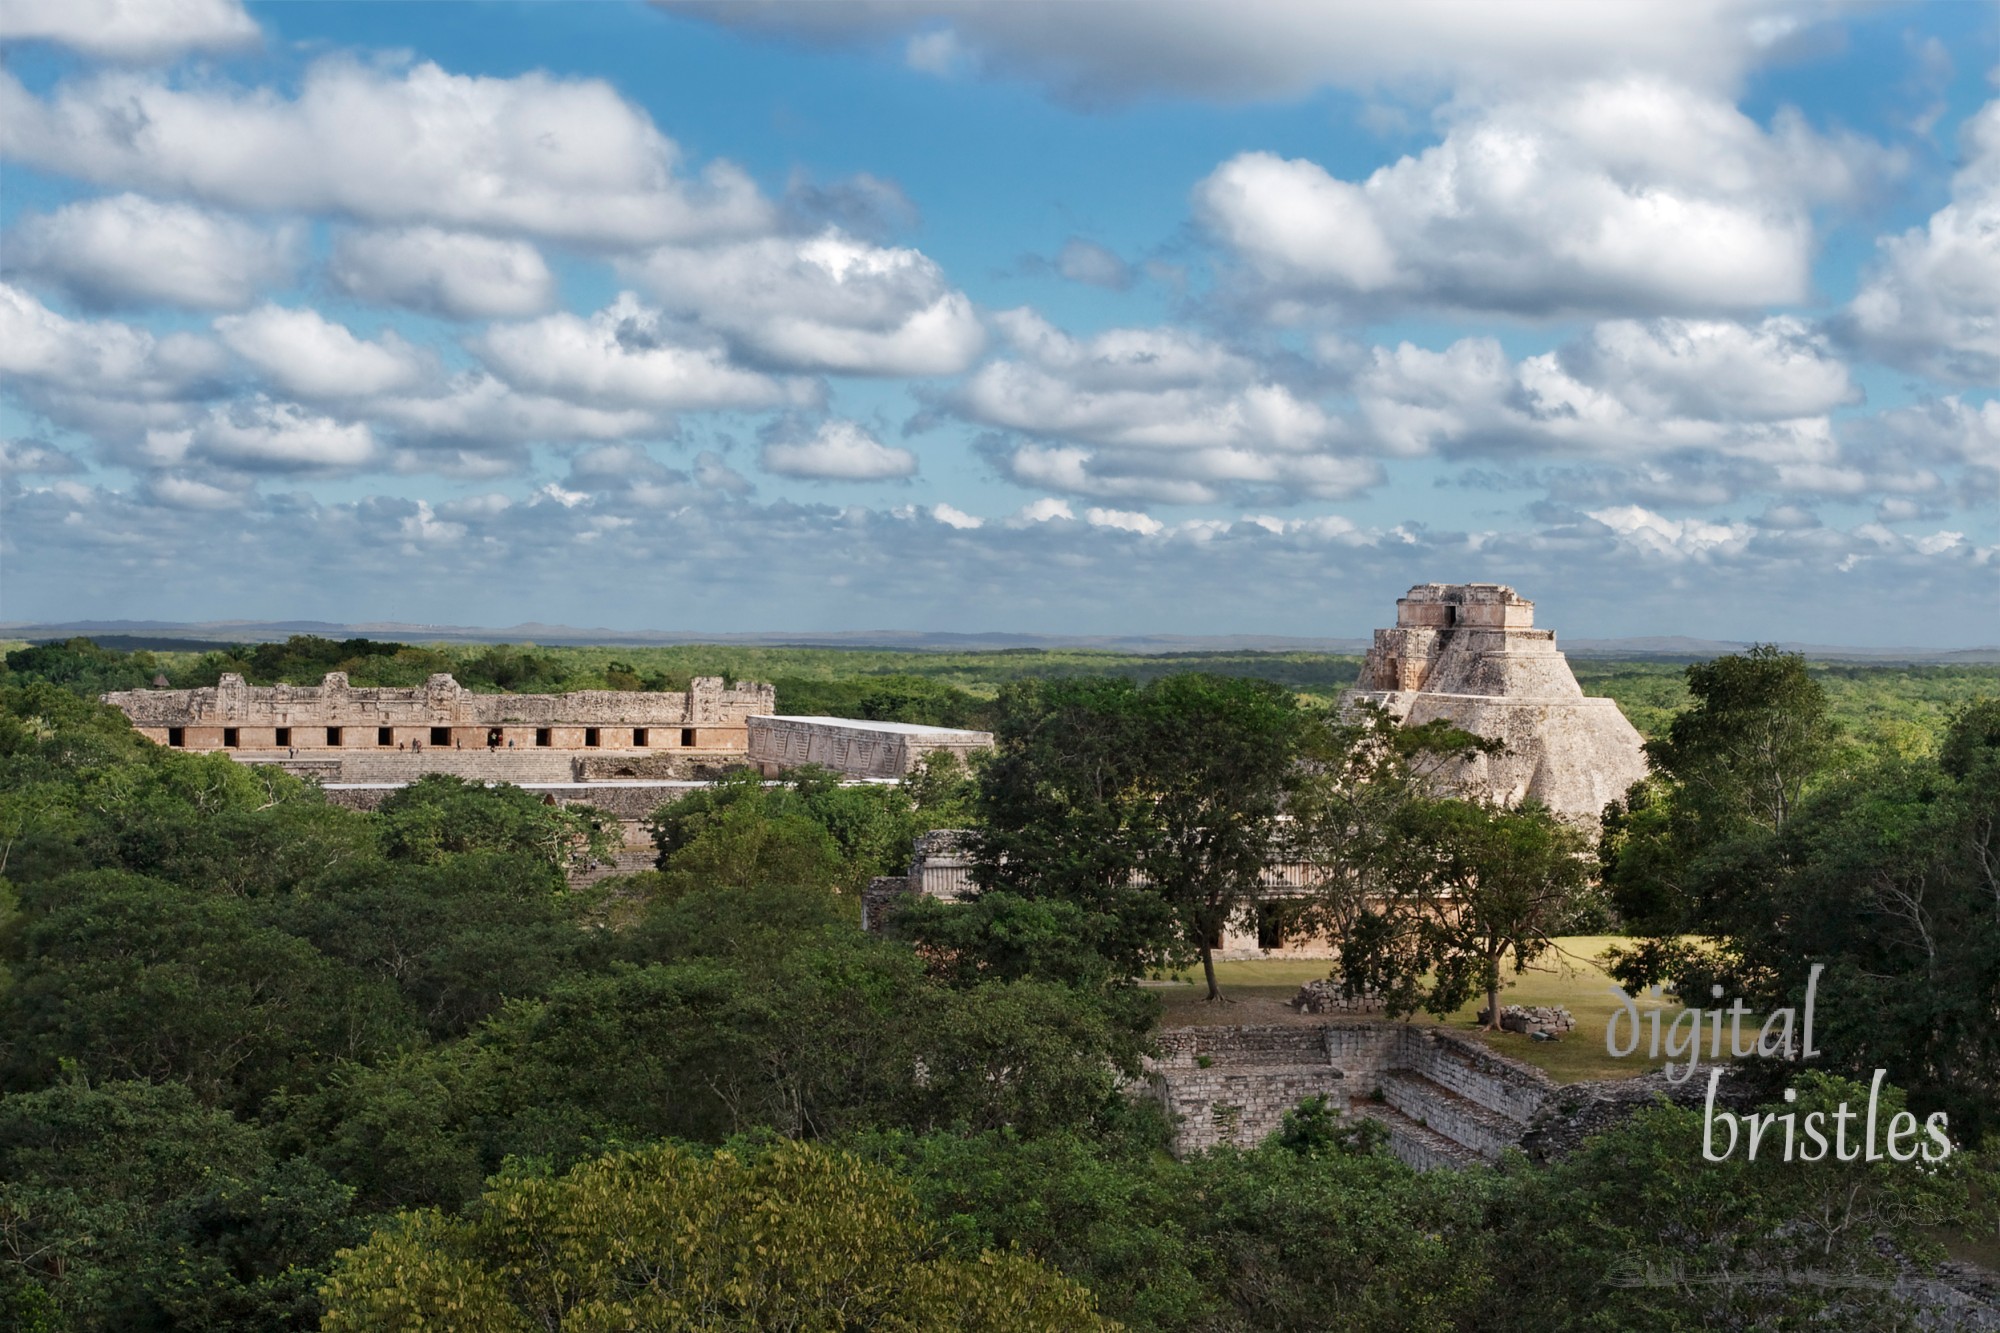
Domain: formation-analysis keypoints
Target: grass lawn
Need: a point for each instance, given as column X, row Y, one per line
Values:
column 1568, row 977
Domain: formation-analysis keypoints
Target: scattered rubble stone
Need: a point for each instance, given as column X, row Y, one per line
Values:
column 1330, row 997
column 1541, row 1021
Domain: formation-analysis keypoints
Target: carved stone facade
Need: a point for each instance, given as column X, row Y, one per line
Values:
column 1468, row 653
column 376, row 734
column 856, row 748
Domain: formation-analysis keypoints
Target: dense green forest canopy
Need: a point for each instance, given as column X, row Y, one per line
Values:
column 267, row 1063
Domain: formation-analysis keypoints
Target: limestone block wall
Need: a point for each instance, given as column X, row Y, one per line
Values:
column 860, row 749
column 1463, row 1066
column 1419, row 1151
column 1239, row 1106
column 481, row 765
column 631, row 803
column 1234, row 1085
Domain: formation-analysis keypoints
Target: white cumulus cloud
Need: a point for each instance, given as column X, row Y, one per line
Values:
column 132, row 30
column 1629, row 195
column 261, row 435
column 102, row 376
column 478, row 411
column 828, row 302
column 563, row 158
column 459, row 275
column 1932, row 303
column 304, row 354
column 837, row 451
column 130, row 250
column 953, row 517
column 1626, row 389
column 1256, row 50
column 1670, row 538
column 1158, row 414
column 1125, row 520
column 627, row 355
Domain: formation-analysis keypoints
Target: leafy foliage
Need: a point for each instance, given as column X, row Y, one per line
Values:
column 1637, row 1230
column 130, row 1206
column 1471, row 886
column 784, row 1237
column 1154, row 811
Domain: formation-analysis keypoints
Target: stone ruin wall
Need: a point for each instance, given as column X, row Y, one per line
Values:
column 1446, row 1099
column 779, row 743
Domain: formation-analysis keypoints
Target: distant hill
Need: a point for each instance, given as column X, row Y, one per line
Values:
column 195, row 637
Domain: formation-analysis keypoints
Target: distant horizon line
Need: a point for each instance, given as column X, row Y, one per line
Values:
column 228, row 632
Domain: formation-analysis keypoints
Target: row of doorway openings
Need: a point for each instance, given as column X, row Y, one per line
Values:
column 440, row 737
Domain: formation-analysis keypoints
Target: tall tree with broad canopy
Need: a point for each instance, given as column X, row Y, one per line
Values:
column 1155, row 810
column 1731, row 772
column 1359, row 776
column 1471, row 886
column 1221, row 757
column 1063, row 813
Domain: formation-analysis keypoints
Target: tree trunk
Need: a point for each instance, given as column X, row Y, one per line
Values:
column 1493, row 991
column 1208, row 969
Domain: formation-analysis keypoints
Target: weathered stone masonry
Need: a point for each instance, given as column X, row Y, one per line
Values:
column 1468, row 653
column 856, row 748
column 385, row 734
column 1445, row 1100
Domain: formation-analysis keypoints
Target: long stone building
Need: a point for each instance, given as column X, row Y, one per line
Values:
column 1468, row 653
column 340, row 733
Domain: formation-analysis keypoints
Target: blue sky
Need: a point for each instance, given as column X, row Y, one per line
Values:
column 1048, row 317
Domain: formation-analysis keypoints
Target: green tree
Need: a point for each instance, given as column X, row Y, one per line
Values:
column 455, row 937
column 1889, row 877
column 438, row 815
column 1637, row 1230
column 790, row 1237
column 1220, row 755
column 79, row 665
column 132, row 1207
column 1342, row 1240
column 1360, row 775
column 1475, row 886
column 1064, row 813
column 134, row 978
column 1153, row 810
column 1758, row 734
column 1732, row 770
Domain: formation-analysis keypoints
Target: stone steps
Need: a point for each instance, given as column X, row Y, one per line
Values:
column 1417, row 1144
column 1478, row 1129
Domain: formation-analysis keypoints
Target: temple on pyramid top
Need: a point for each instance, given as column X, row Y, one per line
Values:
column 1469, row 653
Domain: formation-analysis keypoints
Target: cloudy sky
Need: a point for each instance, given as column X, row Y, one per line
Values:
column 1059, row 317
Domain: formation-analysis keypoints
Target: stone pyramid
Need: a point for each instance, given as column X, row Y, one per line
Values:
column 1469, row 653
